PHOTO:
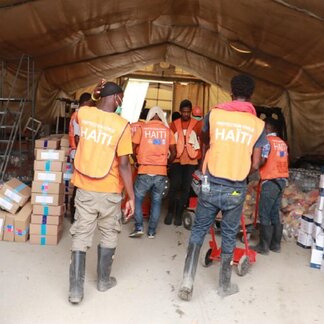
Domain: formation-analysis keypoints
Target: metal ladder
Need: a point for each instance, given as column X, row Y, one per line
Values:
column 11, row 112
column 10, row 123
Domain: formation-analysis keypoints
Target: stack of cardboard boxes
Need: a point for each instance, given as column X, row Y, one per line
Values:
column 15, row 211
column 311, row 232
column 48, row 192
column 68, row 170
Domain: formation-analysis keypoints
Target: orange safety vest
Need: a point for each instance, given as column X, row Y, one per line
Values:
column 100, row 133
column 135, row 126
column 232, row 138
column 154, row 144
column 71, row 132
column 276, row 165
column 183, row 142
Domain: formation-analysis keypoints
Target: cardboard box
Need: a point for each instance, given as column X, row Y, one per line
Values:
column 304, row 240
column 48, row 176
column 316, row 230
column 3, row 215
column 16, row 191
column 318, row 216
column 52, row 155
column 56, row 166
column 48, row 210
column 45, row 239
column 320, row 241
column 47, row 199
column 307, row 223
column 45, row 229
column 47, row 143
column 48, row 187
column 316, row 258
column 49, row 220
column 9, row 229
column 22, row 221
column 8, row 204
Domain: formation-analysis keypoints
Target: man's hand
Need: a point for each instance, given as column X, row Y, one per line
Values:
column 129, row 209
column 96, row 92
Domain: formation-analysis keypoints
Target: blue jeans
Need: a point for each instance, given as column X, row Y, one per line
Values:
column 143, row 184
column 227, row 199
column 270, row 201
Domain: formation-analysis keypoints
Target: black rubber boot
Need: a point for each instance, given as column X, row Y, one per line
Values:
column 77, row 272
column 168, row 218
column 264, row 241
column 105, row 260
column 275, row 245
column 189, row 272
column 226, row 288
column 178, row 217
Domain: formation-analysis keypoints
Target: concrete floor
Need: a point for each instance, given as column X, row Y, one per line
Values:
column 280, row 288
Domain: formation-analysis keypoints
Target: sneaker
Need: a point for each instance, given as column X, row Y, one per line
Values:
column 136, row 233
column 151, row 235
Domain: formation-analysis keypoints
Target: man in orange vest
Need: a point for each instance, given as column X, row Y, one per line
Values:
column 187, row 132
column 101, row 170
column 235, row 137
column 152, row 142
column 273, row 174
column 74, row 133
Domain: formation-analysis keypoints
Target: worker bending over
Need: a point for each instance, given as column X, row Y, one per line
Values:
column 152, row 143
column 273, row 175
column 235, row 137
column 101, row 168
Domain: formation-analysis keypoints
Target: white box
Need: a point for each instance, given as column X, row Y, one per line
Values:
column 317, row 229
column 307, row 223
column 321, row 185
column 320, row 241
column 304, row 240
column 316, row 258
column 318, row 216
column 320, row 203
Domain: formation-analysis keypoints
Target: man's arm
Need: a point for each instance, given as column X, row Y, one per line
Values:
column 126, row 174
column 173, row 153
column 256, row 160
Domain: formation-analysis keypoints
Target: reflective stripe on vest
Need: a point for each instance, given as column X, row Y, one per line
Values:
column 154, row 145
column 100, row 133
column 232, row 138
column 183, row 142
column 276, row 165
column 71, row 132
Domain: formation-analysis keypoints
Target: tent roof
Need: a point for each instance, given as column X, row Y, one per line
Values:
column 74, row 43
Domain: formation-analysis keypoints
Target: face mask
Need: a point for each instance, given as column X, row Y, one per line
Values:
column 119, row 107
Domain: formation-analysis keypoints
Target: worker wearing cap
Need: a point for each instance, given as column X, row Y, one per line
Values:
column 273, row 175
column 152, row 142
column 187, row 132
column 235, row 137
column 101, row 171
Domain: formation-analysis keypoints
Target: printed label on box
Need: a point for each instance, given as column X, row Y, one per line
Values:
column 1, row 223
column 46, row 176
column 5, row 203
column 50, row 156
column 11, row 194
column 44, row 199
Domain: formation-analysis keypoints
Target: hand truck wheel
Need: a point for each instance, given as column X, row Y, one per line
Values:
column 206, row 261
column 188, row 217
column 243, row 266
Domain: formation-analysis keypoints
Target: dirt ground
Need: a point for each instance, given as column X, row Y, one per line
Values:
column 279, row 288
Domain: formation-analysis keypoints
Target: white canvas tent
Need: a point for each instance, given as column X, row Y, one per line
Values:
column 278, row 42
